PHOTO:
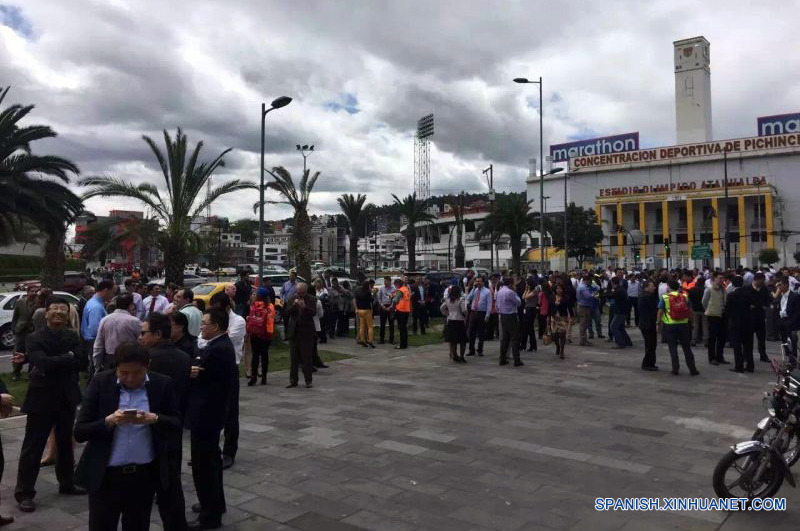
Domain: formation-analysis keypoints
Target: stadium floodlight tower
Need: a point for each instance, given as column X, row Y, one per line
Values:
column 422, row 157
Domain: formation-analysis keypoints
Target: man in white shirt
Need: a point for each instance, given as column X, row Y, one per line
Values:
column 183, row 302
column 156, row 302
column 118, row 327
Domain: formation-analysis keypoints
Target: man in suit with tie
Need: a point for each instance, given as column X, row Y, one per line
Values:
column 53, row 394
column 209, row 395
column 169, row 360
column 130, row 421
column 789, row 312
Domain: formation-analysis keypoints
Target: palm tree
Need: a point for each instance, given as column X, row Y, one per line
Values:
column 122, row 234
column 457, row 205
column 185, row 180
column 27, row 197
column 354, row 209
column 416, row 212
column 296, row 197
column 511, row 216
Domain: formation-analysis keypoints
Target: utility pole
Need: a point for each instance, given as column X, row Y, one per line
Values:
column 727, row 214
column 489, row 172
column 566, row 246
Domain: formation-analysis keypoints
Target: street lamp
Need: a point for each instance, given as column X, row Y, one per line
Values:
column 489, row 173
column 303, row 149
column 541, row 156
column 636, row 236
column 283, row 101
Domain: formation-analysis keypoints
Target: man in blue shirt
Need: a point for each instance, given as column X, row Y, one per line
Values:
column 478, row 304
column 131, row 421
column 586, row 301
column 507, row 303
column 289, row 288
column 93, row 313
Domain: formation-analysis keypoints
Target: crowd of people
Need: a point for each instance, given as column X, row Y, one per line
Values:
column 161, row 363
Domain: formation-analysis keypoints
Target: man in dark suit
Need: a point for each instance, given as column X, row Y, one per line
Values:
column 53, row 394
column 789, row 313
column 740, row 325
column 167, row 359
column 419, row 298
column 760, row 300
column 206, row 413
column 131, row 424
column 6, row 405
column 301, row 332
column 648, row 323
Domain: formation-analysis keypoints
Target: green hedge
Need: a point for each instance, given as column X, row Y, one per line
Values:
column 18, row 267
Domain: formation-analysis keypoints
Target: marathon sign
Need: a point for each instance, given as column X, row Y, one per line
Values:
column 595, row 146
column 691, row 186
column 671, row 154
column 778, row 124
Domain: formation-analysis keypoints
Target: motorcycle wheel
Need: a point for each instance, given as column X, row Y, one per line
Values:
column 728, row 481
column 792, row 453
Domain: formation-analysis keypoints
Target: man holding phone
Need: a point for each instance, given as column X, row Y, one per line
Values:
column 131, row 422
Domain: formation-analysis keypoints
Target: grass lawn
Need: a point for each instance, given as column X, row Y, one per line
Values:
column 278, row 361
column 433, row 334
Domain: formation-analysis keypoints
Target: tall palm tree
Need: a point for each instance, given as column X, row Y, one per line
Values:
column 26, row 193
column 353, row 209
column 296, row 197
column 185, row 180
column 457, row 205
column 511, row 216
column 416, row 213
column 122, row 234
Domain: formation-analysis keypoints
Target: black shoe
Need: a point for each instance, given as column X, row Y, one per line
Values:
column 518, row 363
column 674, row 373
column 323, row 366
column 650, row 368
column 601, row 336
column 714, row 362
column 461, row 359
column 227, row 462
column 196, row 508
column 694, row 373
column 750, row 369
column 723, row 362
column 5, row 520
column 251, row 382
column 72, row 490
column 734, row 369
column 264, row 381
column 480, row 354
column 371, row 345
column 398, row 347
column 199, row 525
column 308, row 385
column 503, row 362
column 294, row 384
column 471, row 354
column 27, row 505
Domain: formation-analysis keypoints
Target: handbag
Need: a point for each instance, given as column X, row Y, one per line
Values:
column 547, row 338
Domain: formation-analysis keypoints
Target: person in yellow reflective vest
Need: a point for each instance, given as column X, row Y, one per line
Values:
column 674, row 316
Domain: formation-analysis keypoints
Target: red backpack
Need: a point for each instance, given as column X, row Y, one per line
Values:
column 678, row 307
column 257, row 323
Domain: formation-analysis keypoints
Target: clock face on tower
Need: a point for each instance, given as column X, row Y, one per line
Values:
column 687, row 52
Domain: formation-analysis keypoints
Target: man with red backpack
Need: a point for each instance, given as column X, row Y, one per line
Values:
column 260, row 326
column 674, row 314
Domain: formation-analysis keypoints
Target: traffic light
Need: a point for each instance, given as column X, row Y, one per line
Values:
column 636, row 255
column 666, row 247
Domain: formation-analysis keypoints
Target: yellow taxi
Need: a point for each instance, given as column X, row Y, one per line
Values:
column 204, row 292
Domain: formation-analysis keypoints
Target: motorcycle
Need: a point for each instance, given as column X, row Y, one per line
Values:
column 757, row 468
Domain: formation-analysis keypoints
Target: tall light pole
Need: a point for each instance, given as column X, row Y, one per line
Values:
column 727, row 214
column 541, row 158
column 566, row 243
column 303, row 149
column 489, row 173
column 283, row 101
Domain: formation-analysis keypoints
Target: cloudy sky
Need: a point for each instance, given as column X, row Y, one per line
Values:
column 103, row 73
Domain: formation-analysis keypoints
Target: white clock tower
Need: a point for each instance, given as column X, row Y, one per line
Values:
column 693, row 90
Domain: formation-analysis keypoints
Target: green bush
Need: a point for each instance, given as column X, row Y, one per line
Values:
column 18, row 267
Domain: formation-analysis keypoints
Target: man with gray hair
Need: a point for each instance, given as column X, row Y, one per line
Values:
column 301, row 333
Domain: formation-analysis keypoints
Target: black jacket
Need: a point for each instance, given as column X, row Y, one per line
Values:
column 102, row 399
column 54, row 357
column 171, row 361
column 792, row 321
column 737, row 308
column 188, row 344
column 209, row 393
column 648, row 311
column 759, row 299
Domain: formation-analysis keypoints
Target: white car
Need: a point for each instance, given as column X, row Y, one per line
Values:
column 7, row 303
column 190, row 280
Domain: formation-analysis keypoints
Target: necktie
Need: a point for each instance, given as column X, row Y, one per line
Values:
column 152, row 305
column 476, row 301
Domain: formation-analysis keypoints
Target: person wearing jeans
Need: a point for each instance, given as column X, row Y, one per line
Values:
column 585, row 295
column 714, row 299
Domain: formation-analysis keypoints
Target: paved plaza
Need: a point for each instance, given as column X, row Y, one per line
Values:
column 402, row 440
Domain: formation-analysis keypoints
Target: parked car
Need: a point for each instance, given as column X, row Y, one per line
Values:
column 226, row 271
column 74, row 281
column 205, row 291
column 190, row 280
column 446, row 276
column 276, row 281
column 8, row 301
column 204, row 272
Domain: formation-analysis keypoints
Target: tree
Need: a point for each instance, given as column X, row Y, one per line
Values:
column 457, row 205
column 353, row 209
column 416, row 212
column 296, row 197
column 768, row 256
column 27, row 195
column 185, row 181
column 122, row 235
column 248, row 228
column 511, row 216
column 584, row 234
